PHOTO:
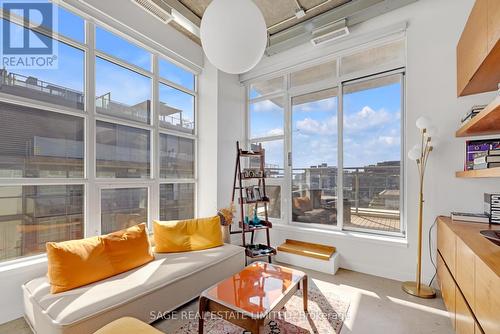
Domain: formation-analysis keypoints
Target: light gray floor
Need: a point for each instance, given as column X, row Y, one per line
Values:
column 378, row 305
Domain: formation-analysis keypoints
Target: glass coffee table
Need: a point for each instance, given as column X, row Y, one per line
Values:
column 252, row 297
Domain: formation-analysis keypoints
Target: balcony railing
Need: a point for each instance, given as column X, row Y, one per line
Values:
column 370, row 190
column 34, row 84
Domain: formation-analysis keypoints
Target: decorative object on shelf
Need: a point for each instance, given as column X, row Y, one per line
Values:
column 473, row 112
column 252, row 172
column 253, row 201
column 256, row 194
column 420, row 153
column 233, row 35
column 226, row 218
column 492, row 207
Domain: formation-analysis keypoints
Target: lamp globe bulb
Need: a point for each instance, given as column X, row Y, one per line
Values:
column 423, row 123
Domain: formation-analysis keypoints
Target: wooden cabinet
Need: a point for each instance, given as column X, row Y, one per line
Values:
column 447, row 246
column 487, row 289
column 465, row 271
column 464, row 323
column 478, row 50
column 448, row 288
column 471, row 290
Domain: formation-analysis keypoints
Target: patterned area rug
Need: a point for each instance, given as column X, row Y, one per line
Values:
column 326, row 315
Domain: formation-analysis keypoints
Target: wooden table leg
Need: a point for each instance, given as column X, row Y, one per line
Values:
column 304, row 292
column 202, row 307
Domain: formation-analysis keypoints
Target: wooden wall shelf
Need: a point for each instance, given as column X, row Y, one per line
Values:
column 489, row 172
column 487, row 122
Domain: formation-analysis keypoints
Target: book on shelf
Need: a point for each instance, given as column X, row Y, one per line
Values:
column 471, row 217
column 487, row 158
column 475, row 147
column 486, row 165
column 492, row 207
column 487, row 153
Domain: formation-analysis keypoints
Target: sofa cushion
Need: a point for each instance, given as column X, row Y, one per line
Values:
column 81, row 303
column 75, row 263
column 187, row 235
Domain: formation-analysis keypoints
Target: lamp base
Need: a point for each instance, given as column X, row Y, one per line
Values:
column 424, row 291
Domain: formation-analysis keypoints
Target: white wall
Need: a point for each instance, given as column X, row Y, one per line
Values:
column 220, row 125
column 433, row 32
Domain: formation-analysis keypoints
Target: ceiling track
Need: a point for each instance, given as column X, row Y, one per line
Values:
column 306, row 11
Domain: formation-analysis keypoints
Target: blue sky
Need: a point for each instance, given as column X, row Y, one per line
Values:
column 372, row 124
column 126, row 86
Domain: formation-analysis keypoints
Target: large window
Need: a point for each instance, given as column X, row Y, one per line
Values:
column 332, row 138
column 30, row 216
column 372, row 153
column 176, row 201
column 314, row 157
column 37, row 143
column 122, row 208
column 82, row 152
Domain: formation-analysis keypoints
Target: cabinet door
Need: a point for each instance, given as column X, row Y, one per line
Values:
column 465, row 271
column 472, row 47
column 464, row 319
column 447, row 286
column 446, row 241
column 487, row 309
column 493, row 23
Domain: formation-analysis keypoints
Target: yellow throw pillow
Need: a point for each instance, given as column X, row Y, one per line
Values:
column 75, row 263
column 129, row 248
column 187, row 235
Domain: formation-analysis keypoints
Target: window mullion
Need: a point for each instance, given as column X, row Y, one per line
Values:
column 92, row 215
column 340, row 158
column 154, row 202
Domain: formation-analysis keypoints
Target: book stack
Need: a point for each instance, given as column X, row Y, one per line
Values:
column 492, row 207
column 487, row 159
column 470, row 114
column 487, row 153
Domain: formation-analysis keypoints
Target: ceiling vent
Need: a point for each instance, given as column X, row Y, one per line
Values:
column 155, row 10
column 330, row 32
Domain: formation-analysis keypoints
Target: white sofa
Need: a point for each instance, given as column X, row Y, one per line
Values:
column 162, row 285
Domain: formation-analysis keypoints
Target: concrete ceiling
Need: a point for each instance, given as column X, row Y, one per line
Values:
column 285, row 29
column 276, row 11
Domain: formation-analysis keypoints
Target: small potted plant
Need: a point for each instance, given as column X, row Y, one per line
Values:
column 226, row 219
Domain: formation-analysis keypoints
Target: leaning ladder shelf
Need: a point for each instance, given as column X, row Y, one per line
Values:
column 243, row 200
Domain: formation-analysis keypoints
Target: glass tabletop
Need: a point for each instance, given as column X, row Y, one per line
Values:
column 256, row 289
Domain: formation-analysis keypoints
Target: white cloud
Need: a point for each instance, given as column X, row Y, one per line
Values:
column 366, row 118
column 312, row 126
column 389, row 140
column 264, row 106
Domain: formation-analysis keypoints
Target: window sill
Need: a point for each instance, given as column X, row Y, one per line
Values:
column 353, row 235
column 23, row 263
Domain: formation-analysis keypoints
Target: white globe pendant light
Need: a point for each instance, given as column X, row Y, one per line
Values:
column 233, row 35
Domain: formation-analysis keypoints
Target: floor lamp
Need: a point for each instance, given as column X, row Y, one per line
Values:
column 420, row 153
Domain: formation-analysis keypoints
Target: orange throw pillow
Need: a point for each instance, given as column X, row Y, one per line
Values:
column 187, row 235
column 75, row 263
